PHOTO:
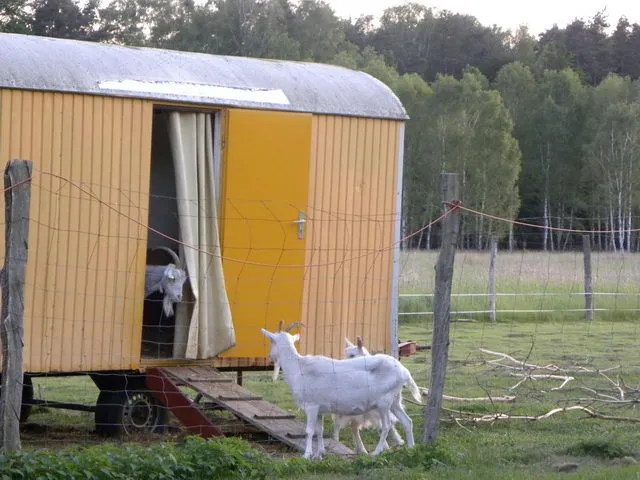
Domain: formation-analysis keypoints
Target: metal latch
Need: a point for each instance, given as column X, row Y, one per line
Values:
column 301, row 221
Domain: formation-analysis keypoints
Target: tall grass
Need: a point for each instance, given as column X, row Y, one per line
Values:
column 529, row 285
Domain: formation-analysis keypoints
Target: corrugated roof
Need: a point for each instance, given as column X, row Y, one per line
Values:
column 40, row 63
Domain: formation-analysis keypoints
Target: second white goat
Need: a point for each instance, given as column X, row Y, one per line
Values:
column 322, row 385
column 368, row 420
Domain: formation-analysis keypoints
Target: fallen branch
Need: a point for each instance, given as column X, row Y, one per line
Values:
column 525, row 377
column 607, row 402
column 616, row 385
column 503, row 399
column 461, row 425
column 503, row 416
column 520, row 365
column 609, row 398
column 504, row 356
column 591, row 370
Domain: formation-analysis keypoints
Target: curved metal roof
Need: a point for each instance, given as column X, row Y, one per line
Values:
column 49, row 64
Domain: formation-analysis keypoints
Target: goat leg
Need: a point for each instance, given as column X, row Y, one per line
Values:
column 355, row 430
column 320, row 451
column 336, row 428
column 397, row 439
column 312, row 419
column 384, row 431
column 404, row 419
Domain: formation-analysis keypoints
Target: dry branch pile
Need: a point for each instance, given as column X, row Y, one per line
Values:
column 617, row 394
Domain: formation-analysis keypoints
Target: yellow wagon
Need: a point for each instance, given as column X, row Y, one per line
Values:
column 278, row 184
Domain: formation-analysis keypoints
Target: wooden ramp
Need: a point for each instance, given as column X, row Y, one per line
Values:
column 224, row 392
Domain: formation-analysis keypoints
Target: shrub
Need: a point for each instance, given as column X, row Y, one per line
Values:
column 196, row 458
column 600, row 448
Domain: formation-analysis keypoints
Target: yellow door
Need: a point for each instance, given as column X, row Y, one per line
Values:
column 266, row 185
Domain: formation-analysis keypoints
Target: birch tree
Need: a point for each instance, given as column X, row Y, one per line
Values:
column 614, row 155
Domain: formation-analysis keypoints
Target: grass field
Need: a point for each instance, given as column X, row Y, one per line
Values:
column 601, row 356
column 530, row 286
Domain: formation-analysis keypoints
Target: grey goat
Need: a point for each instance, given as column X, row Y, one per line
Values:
column 166, row 279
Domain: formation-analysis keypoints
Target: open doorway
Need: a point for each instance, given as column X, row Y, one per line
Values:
column 185, row 149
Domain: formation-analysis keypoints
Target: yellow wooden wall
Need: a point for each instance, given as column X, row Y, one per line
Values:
column 85, row 273
column 351, row 231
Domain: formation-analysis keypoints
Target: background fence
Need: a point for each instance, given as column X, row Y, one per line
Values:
column 529, row 284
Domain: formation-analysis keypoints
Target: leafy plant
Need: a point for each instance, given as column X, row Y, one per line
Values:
column 193, row 458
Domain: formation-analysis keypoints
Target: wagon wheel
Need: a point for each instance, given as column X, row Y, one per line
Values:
column 125, row 412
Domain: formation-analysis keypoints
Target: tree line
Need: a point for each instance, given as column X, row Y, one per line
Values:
column 546, row 129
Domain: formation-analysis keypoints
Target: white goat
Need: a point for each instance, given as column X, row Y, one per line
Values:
column 166, row 279
column 368, row 420
column 322, row 385
column 276, row 361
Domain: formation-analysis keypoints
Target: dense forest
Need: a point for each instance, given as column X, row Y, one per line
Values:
column 545, row 130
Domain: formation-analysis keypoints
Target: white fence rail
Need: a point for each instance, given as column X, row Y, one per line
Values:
column 539, row 310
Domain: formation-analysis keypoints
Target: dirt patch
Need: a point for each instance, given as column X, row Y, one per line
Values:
column 37, row 435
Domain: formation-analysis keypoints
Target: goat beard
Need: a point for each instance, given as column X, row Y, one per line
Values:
column 167, row 306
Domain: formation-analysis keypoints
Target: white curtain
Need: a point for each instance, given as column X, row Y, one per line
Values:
column 204, row 326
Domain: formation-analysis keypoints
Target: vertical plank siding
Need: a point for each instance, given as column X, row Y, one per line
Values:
column 85, row 276
column 351, row 231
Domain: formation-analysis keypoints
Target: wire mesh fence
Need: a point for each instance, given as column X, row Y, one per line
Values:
column 539, row 356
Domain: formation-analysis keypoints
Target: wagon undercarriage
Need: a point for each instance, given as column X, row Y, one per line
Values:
column 131, row 403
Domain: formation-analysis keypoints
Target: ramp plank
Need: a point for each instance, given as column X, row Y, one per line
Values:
column 267, row 417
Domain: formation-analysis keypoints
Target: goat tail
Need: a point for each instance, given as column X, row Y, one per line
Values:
column 413, row 388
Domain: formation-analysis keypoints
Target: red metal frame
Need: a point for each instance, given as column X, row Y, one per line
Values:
column 167, row 393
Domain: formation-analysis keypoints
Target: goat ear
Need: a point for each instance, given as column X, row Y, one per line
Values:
column 296, row 338
column 347, row 343
column 267, row 334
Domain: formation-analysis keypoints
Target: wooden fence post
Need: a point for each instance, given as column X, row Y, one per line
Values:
column 588, row 289
column 17, row 197
column 492, row 279
column 442, row 308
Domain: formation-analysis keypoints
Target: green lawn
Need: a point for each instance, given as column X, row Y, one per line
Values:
column 522, row 448
column 530, row 286
column 504, row 448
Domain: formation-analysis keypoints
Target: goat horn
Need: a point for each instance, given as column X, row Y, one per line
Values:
column 359, row 342
column 173, row 254
column 280, row 325
column 294, row 325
